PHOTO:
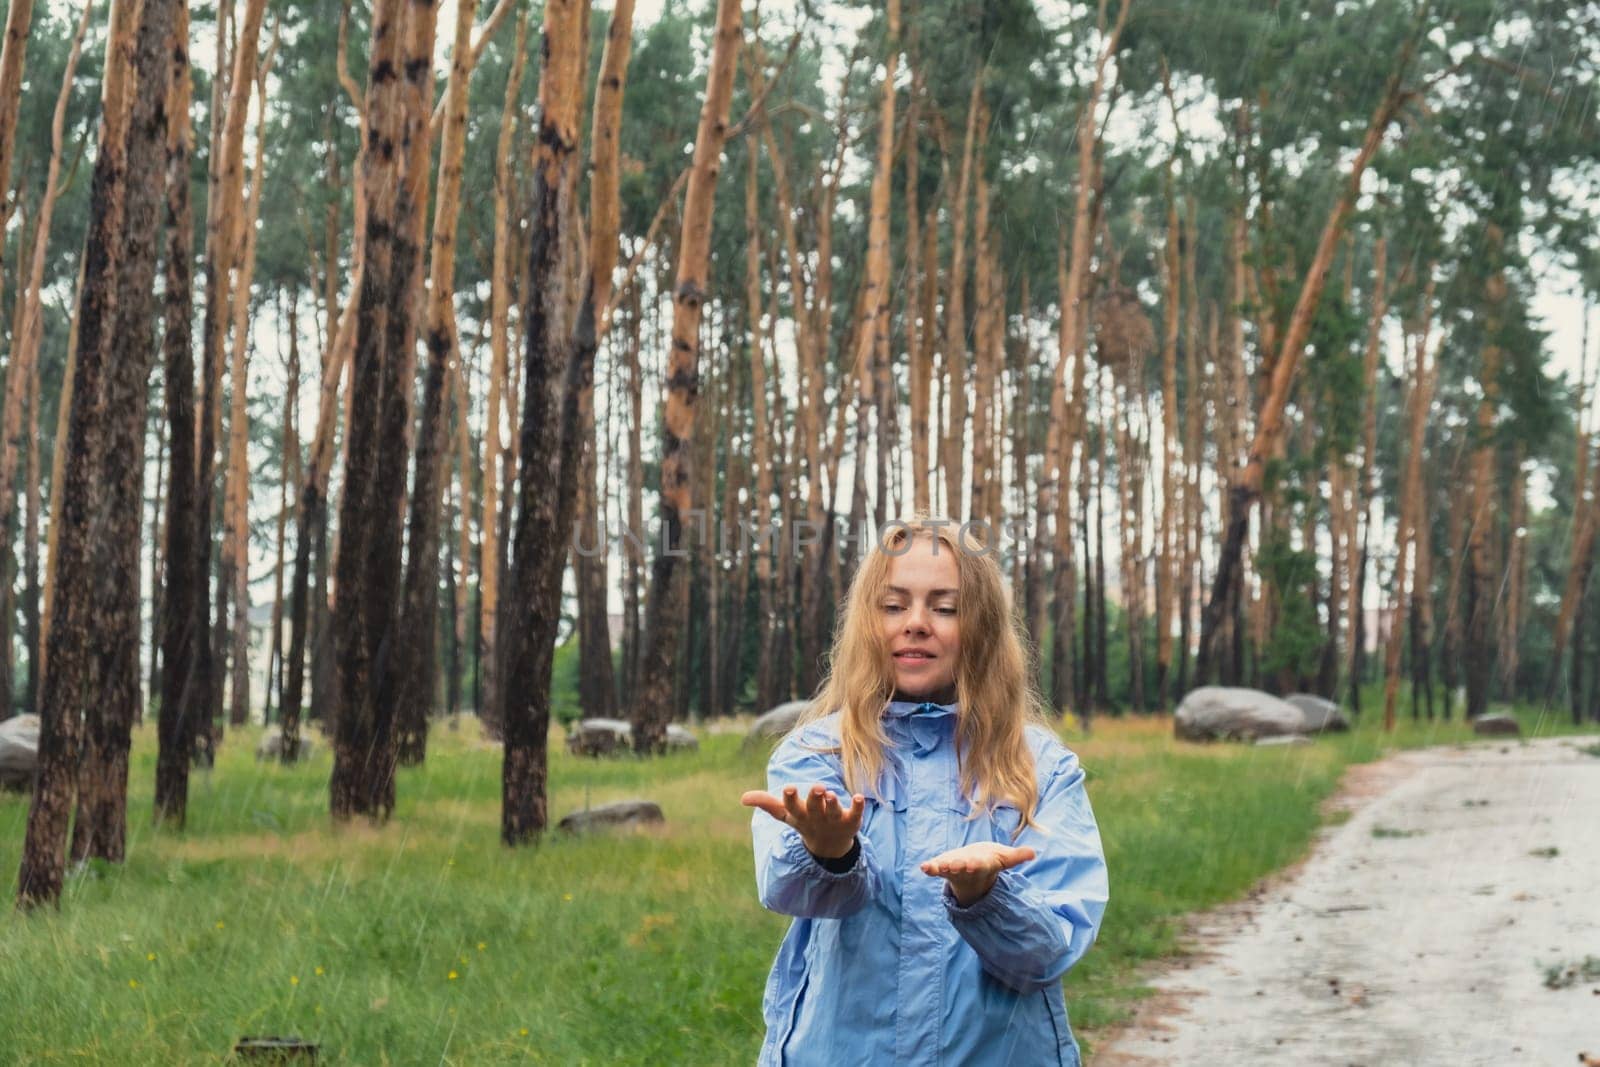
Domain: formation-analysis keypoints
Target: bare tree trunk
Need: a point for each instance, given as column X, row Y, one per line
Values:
column 1515, row 581
column 291, row 477
column 114, row 624
column 1421, row 402
column 1167, row 531
column 955, row 343
column 499, row 314
column 1067, row 414
column 22, row 368
column 236, row 522
column 31, row 597
column 13, row 57
column 69, row 684
column 187, row 598
column 690, row 293
column 415, row 664
column 597, row 683
column 1480, row 545
column 557, row 363
column 363, row 770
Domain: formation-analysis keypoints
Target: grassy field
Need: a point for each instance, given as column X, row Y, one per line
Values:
column 427, row 942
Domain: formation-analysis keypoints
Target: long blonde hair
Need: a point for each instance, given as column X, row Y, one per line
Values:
column 997, row 700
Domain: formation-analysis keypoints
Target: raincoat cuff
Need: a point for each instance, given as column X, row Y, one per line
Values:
column 1001, row 898
column 803, row 860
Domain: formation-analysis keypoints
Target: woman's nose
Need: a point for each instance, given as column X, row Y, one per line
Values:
column 917, row 619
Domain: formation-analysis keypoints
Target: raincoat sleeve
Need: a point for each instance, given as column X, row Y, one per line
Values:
column 789, row 880
column 1042, row 916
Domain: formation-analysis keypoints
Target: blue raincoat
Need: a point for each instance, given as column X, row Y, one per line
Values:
column 881, row 965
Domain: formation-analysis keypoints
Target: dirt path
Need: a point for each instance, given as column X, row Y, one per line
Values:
column 1418, row 932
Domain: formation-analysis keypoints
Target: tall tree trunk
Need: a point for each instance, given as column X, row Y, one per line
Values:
column 1366, row 477
column 983, row 473
column 1167, row 531
column 689, row 296
column 115, row 625
column 1515, row 578
column 415, row 663
column 69, row 684
column 290, row 445
column 13, row 58
column 499, row 328
column 1067, row 414
column 955, row 340
column 22, row 368
column 1421, row 402
column 363, row 770
column 31, row 597
column 555, row 373
column 236, row 522
column 187, row 597
column 597, row 688
column 403, row 659
column 1480, row 545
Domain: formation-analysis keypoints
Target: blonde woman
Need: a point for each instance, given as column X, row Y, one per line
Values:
column 929, row 834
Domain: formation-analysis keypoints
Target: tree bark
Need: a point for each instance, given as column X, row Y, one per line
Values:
column 68, row 685
column 22, row 367
column 13, row 59
column 1479, row 650
column 415, row 663
column 363, row 772
column 491, row 553
column 1421, row 402
column 689, row 296
column 549, row 431
column 115, row 625
column 187, row 596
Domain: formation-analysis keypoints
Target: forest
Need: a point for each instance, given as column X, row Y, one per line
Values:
column 446, row 334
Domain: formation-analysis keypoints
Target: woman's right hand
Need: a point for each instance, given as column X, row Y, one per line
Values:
column 827, row 829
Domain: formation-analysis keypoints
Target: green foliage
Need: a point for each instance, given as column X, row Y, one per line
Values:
column 1294, row 645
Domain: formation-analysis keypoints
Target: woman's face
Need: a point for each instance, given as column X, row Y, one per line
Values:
column 921, row 626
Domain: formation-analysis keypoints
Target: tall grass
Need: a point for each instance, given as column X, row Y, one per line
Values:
column 425, row 941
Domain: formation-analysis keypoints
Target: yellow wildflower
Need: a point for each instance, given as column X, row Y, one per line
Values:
column 133, row 983
column 482, row 945
column 319, row 972
column 151, row 956
column 523, row 1032
column 294, row 979
column 451, row 976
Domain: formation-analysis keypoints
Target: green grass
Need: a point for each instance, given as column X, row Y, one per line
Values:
column 263, row 920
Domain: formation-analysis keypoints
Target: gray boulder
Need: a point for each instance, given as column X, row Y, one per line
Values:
column 1322, row 715
column 777, row 722
column 19, row 751
column 623, row 814
column 679, row 739
column 1497, row 725
column 1224, row 713
column 607, row 737
column 599, row 737
column 270, row 747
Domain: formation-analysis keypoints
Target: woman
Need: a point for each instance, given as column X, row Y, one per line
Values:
column 936, row 913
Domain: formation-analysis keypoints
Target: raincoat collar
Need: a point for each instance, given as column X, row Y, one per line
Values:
column 928, row 724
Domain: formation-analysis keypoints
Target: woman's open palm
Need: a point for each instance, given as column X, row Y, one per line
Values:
column 972, row 869
column 827, row 829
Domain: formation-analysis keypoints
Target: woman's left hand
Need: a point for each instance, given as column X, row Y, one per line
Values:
column 972, row 869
